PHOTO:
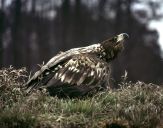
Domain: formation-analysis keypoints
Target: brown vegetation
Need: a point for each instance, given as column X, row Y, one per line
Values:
column 134, row 105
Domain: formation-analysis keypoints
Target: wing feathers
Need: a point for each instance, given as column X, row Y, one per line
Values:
column 81, row 69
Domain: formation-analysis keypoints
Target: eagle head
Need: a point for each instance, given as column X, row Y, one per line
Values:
column 114, row 45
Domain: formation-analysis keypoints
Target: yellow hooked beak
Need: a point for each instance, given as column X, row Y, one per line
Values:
column 121, row 37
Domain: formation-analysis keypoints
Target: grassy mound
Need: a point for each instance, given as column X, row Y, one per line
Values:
column 134, row 105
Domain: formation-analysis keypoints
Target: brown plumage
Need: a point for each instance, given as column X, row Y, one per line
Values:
column 78, row 71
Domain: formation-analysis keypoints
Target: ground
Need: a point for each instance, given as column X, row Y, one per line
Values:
column 133, row 105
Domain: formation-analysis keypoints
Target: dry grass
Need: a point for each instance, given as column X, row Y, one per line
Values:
column 134, row 105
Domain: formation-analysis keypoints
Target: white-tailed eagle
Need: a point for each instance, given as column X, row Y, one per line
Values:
column 78, row 71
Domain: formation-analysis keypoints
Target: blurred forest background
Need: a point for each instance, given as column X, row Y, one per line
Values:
column 33, row 31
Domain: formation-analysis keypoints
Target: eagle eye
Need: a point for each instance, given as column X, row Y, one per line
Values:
column 114, row 39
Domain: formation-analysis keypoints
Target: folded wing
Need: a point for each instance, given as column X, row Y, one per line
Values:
column 82, row 70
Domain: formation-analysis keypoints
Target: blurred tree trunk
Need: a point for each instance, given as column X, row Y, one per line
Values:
column 77, row 23
column 129, row 18
column 16, row 45
column 102, row 4
column 65, row 19
column 2, row 18
column 31, row 47
column 119, row 16
column 33, row 4
column 2, row 4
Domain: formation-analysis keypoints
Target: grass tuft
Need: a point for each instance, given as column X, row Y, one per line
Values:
column 133, row 105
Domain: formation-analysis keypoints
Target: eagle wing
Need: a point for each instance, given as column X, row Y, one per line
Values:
column 84, row 70
column 58, row 59
column 81, row 69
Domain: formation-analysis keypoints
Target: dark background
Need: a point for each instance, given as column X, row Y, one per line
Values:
column 33, row 31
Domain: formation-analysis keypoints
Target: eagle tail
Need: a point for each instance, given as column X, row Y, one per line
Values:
column 31, row 86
